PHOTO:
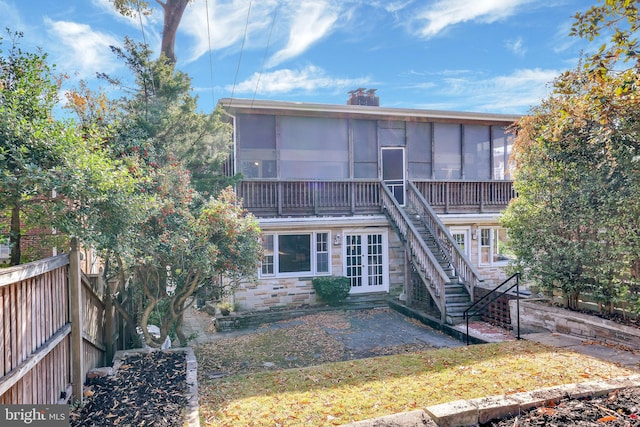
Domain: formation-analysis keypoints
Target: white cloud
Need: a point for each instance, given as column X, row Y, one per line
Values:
column 226, row 26
column 81, row 49
column 11, row 15
column 516, row 92
column 298, row 26
column 284, row 81
column 312, row 21
column 513, row 94
column 444, row 13
column 516, row 46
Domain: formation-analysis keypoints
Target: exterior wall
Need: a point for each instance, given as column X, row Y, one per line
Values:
column 272, row 292
column 494, row 274
column 299, row 145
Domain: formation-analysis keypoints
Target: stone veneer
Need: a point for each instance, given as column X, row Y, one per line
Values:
column 540, row 316
column 291, row 292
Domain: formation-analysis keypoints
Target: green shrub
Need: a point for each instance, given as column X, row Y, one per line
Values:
column 332, row 289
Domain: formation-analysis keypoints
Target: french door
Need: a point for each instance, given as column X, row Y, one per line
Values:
column 366, row 262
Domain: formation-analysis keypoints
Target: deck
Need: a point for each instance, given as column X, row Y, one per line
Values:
column 297, row 198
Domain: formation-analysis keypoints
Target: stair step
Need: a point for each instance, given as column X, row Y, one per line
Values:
column 456, row 305
column 457, row 299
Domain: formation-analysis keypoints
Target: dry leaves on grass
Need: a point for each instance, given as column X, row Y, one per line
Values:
column 337, row 393
column 301, row 345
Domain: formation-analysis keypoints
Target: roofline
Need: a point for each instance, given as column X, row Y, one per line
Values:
column 248, row 104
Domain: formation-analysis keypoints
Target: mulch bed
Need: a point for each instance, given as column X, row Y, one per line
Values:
column 620, row 408
column 149, row 389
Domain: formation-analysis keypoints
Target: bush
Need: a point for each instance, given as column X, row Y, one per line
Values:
column 332, row 289
column 225, row 308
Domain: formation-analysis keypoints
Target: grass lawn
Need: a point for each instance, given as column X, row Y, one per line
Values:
column 324, row 392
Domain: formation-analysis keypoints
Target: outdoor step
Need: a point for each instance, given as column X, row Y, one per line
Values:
column 457, row 307
column 457, row 299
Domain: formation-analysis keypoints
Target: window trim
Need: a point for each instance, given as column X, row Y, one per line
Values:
column 313, row 255
column 491, row 246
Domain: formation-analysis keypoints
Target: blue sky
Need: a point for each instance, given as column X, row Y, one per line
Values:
column 461, row 55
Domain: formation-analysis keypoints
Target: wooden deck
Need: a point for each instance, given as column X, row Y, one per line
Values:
column 296, row 198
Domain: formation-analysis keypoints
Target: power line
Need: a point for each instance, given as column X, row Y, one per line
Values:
column 213, row 95
column 244, row 37
column 264, row 57
column 144, row 39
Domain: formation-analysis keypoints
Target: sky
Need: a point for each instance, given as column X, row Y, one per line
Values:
column 495, row 56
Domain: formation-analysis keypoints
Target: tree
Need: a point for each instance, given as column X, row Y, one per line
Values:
column 576, row 176
column 617, row 19
column 163, row 109
column 173, row 11
column 183, row 251
column 54, row 173
column 574, row 224
column 185, row 239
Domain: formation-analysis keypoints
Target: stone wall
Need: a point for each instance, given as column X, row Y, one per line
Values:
column 540, row 316
column 293, row 292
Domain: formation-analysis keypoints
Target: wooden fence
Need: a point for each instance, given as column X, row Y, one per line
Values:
column 54, row 328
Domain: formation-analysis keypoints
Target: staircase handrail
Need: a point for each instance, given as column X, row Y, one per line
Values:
column 468, row 313
column 416, row 244
column 465, row 269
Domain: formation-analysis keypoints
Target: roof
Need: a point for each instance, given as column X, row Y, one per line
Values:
column 238, row 105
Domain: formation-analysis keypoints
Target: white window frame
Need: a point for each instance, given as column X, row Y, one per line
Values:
column 466, row 231
column 313, row 251
column 384, row 287
column 492, row 247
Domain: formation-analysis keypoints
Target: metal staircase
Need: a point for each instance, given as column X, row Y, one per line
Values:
column 444, row 270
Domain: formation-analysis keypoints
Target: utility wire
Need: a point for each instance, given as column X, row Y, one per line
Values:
column 213, row 95
column 264, row 57
column 144, row 39
column 244, row 37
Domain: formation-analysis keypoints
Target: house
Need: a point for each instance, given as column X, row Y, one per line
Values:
column 403, row 202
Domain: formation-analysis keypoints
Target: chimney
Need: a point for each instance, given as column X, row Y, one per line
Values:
column 362, row 96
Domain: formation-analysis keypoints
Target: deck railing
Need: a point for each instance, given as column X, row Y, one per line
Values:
column 301, row 197
column 466, row 196
column 465, row 270
column 427, row 266
column 271, row 198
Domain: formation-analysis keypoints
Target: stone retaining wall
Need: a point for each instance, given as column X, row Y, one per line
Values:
column 540, row 316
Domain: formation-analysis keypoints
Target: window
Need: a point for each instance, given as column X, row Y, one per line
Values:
column 313, row 148
column 322, row 252
column 267, row 259
column 257, row 146
column 477, row 152
column 288, row 254
column 448, row 151
column 493, row 246
column 502, row 144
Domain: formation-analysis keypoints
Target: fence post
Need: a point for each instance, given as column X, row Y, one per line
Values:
column 75, row 305
column 109, row 326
